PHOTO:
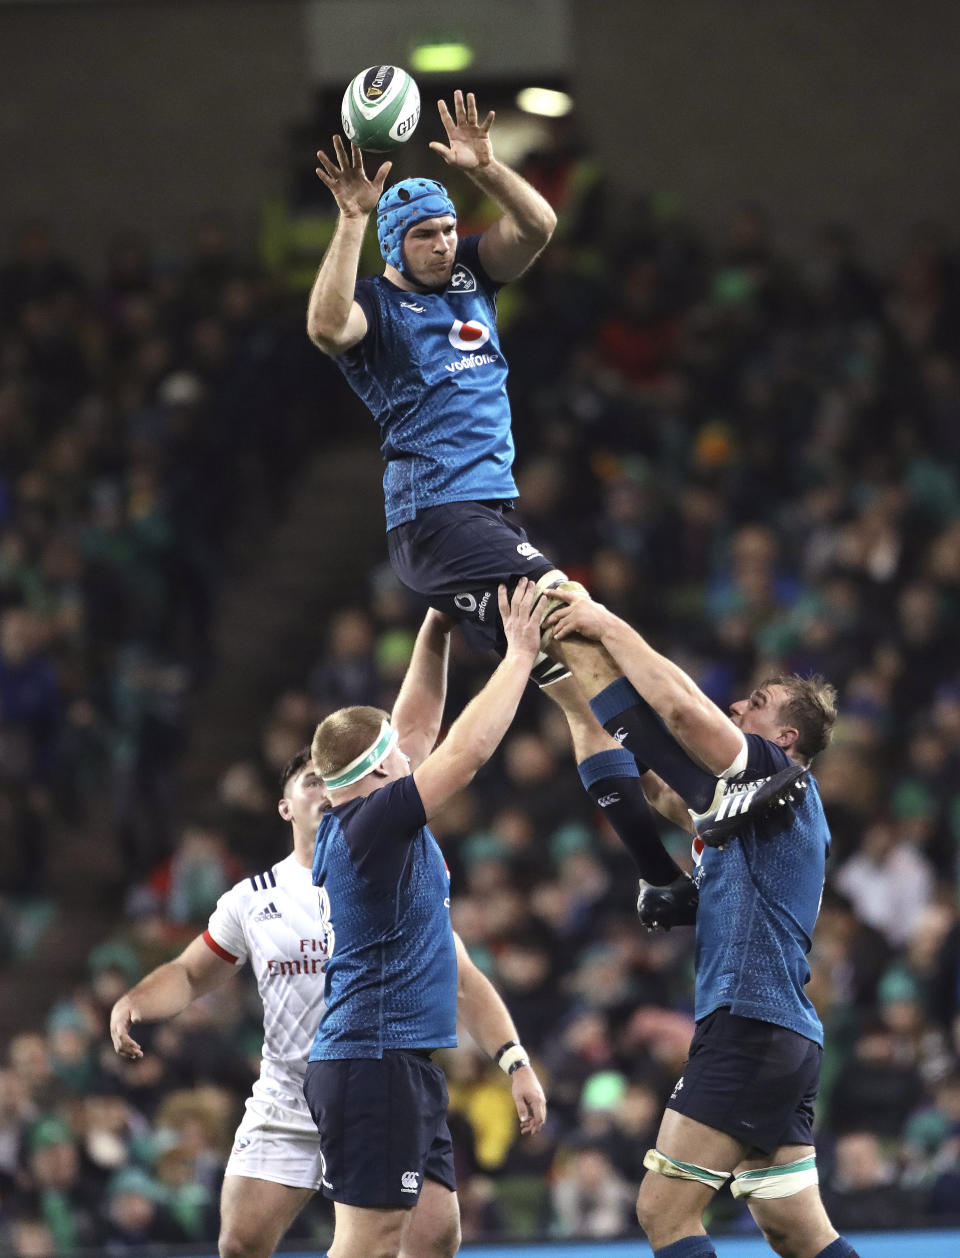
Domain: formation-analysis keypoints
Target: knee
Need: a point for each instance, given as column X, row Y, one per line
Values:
column 648, row 1211
column 447, row 1241
column 665, row 1214
column 235, row 1244
column 444, row 1242
column 780, row 1240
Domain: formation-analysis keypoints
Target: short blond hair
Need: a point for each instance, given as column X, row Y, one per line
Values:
column 811, row 706
column 343, row 736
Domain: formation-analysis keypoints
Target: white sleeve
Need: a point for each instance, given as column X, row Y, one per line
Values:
column 225, row 927
column 740, row 763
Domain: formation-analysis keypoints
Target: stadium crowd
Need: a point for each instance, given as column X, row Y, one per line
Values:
column 753, row 457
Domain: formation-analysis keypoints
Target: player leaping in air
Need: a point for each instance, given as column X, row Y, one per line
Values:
column 419, row 345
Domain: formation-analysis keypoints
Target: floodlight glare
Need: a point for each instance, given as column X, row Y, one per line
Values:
column 544, row 101
column 441, row 58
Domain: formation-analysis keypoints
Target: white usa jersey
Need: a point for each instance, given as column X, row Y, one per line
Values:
column 272, row 919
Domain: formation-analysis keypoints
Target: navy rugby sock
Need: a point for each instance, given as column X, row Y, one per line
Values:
column 630, row 719
column 612, row 779
column 689, row 1247
column 838, row 1249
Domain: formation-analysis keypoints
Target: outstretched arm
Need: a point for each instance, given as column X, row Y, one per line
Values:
column 694, row 720
column 510, row 244
column 487, row 1019
column 335, row 322
column 418, row 711
column 478, row 730
column 165, row 992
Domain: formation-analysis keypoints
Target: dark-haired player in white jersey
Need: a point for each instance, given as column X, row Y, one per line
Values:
column 744, row 1105
column 272, row 920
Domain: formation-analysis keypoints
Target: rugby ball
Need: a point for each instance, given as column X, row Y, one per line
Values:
column 381, row 108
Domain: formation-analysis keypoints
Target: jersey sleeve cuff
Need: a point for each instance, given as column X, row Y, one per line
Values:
column 222, row 953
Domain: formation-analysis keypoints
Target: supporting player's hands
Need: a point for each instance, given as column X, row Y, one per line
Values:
column 521, row 617
column 529, row 1099
column 580, row 615
column 354, row 193
column 469, row 145
column 122, row 1017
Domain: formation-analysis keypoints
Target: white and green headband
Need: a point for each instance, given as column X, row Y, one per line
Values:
column 367, row 761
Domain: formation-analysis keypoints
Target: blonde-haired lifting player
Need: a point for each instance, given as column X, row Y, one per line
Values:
column 271, row 919
column 379, row 1101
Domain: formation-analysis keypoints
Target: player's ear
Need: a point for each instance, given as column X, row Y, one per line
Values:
column 787, row 737
column 284, row 809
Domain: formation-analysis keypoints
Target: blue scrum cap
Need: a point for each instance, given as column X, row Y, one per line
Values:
column 406, row 203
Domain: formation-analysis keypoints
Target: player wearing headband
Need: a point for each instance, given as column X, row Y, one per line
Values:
column 378, row 1100
column 271, row 920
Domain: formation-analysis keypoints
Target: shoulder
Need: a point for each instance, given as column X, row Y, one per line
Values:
column 469, row 274
column 249, row 887
column 394, row 799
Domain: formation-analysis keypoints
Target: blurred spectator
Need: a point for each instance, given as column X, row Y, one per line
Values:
column 877, row 1090
column 888, row 883
column 862, row 1191
column 135, row 1216
column 589, row 1196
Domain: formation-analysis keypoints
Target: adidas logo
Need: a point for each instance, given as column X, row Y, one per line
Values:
column 270, row 914
column 737, row 799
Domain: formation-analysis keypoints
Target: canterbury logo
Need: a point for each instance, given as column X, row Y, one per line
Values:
column 408, row 1181
column 606, row 800
column 621, row 734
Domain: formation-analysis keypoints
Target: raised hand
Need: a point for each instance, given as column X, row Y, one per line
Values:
column 521, row 618
column 468, row 144
column 354, row 193
column 580, row 615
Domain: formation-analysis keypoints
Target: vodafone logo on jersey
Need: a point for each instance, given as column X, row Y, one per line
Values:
column 469, row 335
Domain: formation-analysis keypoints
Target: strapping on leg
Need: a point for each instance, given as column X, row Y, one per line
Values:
column 654, row 1160
column 768, row 1182
column 554, row 580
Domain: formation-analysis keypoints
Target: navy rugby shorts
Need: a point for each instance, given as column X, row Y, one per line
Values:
column 753, row 1080
column 383, row 1128
column 455, row 555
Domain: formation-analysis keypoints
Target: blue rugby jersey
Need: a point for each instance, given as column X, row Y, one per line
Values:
column 432, row 374
column 759, row 900
column 384, row 892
